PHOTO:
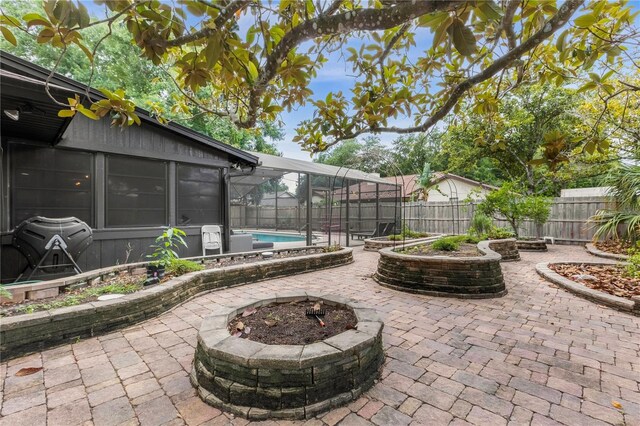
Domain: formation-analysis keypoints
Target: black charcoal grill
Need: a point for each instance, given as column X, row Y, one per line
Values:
column 52, row 245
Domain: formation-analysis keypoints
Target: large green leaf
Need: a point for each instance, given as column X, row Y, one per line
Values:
column 585, row 21
column 463, row 39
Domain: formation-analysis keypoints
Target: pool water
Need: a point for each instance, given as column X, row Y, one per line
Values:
column 277, row 238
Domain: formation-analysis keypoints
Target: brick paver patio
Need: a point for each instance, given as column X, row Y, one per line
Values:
column 536, row 356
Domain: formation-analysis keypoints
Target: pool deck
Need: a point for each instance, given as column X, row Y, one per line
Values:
column 539, row 356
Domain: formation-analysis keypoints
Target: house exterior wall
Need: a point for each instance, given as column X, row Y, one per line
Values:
column 451, row 188
column 113, row 245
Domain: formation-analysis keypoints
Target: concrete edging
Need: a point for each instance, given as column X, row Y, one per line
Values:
column 260, row 381
column 34, row 332
column 592, row 249
column 443, row 276
column 620, row 303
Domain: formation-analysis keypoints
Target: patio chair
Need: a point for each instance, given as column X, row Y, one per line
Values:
column 389, row 229
column 378, row 232
column 211, row 238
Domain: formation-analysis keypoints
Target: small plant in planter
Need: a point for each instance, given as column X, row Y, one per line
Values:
column 164, row 253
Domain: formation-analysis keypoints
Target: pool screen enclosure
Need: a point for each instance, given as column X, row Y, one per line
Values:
column 284, row 194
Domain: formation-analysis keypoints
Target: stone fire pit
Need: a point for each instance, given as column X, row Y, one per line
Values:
column 260, row 381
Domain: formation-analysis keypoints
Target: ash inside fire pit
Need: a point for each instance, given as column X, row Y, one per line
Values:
column 288, row 324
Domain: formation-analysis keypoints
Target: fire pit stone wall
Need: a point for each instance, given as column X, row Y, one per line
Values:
column 260, row 381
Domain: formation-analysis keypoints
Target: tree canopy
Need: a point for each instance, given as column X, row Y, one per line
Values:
column 247, row 60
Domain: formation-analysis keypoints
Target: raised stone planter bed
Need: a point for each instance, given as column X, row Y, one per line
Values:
column 628, row 305
column 33, row 332
column 464, row 277
column 507, row 248
column 531, row 245
column 592, row 249
column 375, row 244
column 260, row 381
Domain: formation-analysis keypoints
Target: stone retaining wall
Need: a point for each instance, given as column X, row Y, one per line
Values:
column 375, row 244
column 34, row 332
column 465, row 277
column 531, row 245
column 623, row 304
column 592, row 249
column 506, row 248
column 260, row 381
column 51, row 288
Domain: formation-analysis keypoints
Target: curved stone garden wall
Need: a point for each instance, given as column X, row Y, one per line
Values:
column 506, row 248
column 375, row 244
column 628, row 305
column 592, row 249
column 531, row 245
column 465, row 277
column 261, row 381
column 37, row 331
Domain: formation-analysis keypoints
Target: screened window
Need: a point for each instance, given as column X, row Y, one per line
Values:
column 199, row 200
column 136, row 192
column 52, row 183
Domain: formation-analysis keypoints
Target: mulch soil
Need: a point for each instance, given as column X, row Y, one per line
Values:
column 288, row 324
column 614, row 246
column 464, row 250
column 608, row 278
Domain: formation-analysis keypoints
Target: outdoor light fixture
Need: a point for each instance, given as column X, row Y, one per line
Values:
column 27, row 108
column 13, row 114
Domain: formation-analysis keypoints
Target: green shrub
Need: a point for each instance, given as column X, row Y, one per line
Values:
column 480, row 224
column 449, row 243
column 182, row 266
column 633, row 268
column 500, row 234
column 115, row 288
column 5, row 293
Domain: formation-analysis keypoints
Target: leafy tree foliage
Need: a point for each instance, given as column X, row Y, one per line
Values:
column 370, row 156
column 156, row 91
column 249, row 73
column 623, row 220
column 534, row 125
column 515, row 208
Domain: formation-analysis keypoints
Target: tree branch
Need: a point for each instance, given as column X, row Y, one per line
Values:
column 357, row 20
column 507, row 22
column 558, row 20
column 224, row 16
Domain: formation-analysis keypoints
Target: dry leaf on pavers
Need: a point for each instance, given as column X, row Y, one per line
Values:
column 270, row 322
column 240, row 326
column 27, row 371
column 249, row 311
column 616, row 404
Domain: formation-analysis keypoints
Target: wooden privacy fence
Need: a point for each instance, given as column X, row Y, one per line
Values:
column 567, row 221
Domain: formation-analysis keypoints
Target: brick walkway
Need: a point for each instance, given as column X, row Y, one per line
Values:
column 536, row 356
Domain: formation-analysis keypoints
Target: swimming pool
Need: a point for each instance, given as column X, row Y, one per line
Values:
column 276, row 237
